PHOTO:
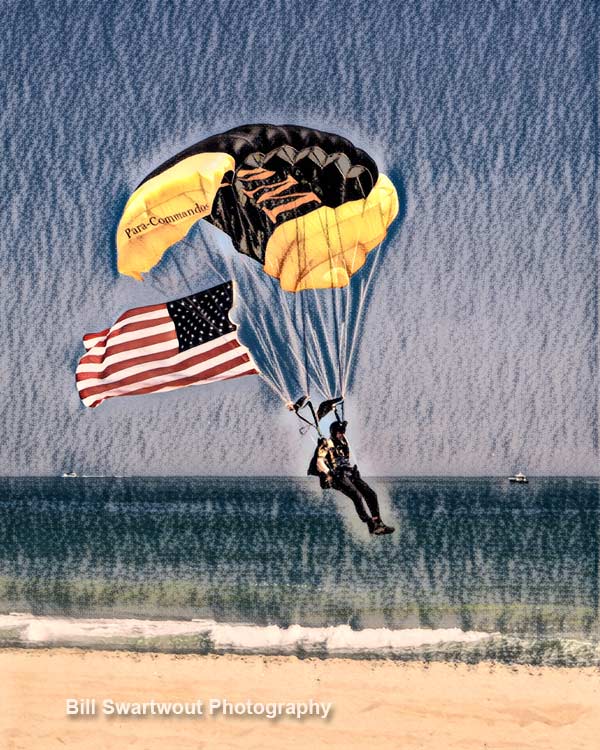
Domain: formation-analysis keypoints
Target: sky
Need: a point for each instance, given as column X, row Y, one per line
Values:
column 477, row 353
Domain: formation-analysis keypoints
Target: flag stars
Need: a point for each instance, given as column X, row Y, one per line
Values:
column 202, row 317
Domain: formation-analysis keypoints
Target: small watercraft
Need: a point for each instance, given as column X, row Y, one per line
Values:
column 519, row 478
column 69, row 474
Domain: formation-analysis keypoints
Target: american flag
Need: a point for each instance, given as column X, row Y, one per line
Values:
column 162, row 347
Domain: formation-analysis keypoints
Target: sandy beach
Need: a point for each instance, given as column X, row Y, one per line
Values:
column 375, row 704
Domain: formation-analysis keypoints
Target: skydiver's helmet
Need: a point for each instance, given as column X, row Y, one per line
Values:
column 336, row 427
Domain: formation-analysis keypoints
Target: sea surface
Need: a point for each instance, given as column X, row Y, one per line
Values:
column 477, row 568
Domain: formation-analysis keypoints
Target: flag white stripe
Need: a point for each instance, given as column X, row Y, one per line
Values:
column 90, row 339
column 130, row 353
column 244, row 368
column 152, row 315
column 172, row 378
column 124, row 338
column 93, row 368
column 91, row 343
column 237, row 370
column 159, row 365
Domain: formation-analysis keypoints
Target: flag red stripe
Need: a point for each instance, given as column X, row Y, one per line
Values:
column 98, row 335
column 137, row 326
column 211, row 372
column 140, row 377
column 167, row 354
column 177, row 383
column 172, row 351
column 128, row 346
column 116, row 329
column 138, row 311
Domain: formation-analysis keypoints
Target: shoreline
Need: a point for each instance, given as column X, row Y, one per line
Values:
column 374, row 703
column 197, row 636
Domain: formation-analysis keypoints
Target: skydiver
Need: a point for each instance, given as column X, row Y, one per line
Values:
column 331, row 462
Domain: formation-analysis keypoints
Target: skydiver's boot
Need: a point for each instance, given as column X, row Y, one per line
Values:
column 379, row 528
column 370, row 525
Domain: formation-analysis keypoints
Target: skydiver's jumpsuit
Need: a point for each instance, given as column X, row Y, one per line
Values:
column 334, row 456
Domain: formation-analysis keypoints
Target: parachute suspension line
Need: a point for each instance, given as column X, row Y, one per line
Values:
column 292, row 332
column 336, row 321
column 320, row 375
column 273, row 367
column 255, row 327
column 336, row 333
column 269, row 378
column 304, row 347
column 325, row 344
column 348, row 298
column 320, row 371
column 318, row 347
column 364, row 287
column 190, row 289
column 274, row 388
column 263, row 324
column 154, row 282
column 277, row 379
column 292, row 325
column 185, row 278
column 293, row 335
column 297, row 358
column 303, row 317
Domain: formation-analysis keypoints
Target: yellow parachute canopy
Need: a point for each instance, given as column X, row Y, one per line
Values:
column 322, row 249
column 163, row 210
column 309, row 206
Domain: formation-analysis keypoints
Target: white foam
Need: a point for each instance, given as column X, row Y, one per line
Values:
column 233, row 636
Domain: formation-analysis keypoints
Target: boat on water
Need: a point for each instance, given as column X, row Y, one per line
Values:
column 519, row 479
column 69, row 474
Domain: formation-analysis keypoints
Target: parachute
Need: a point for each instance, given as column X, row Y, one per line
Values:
column 306, row 205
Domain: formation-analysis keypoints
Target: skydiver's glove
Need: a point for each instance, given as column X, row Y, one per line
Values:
column 326, row 481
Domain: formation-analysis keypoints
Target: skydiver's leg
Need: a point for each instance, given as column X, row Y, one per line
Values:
column 368, row 493
column 343, row 484
column 379, row 527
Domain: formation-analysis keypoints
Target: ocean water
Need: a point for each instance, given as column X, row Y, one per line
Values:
column 477, row 568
